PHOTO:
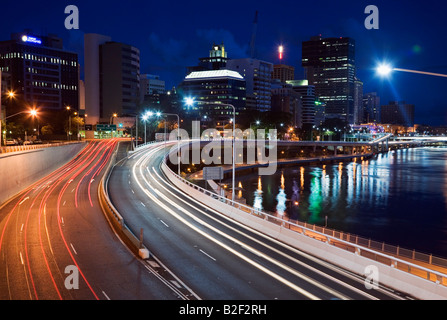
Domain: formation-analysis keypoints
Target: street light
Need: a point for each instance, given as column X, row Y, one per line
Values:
column 32, row 112
column 385, row 70
column 189, row 102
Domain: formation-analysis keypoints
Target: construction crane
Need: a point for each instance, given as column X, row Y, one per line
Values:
column 253, row 36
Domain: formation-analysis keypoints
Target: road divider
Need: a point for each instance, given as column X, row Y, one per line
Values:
column 115, row 219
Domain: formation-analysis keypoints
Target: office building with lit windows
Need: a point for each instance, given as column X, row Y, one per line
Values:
column 258, row 77
column 212, row 89
column 40, row 72
column 329, row 64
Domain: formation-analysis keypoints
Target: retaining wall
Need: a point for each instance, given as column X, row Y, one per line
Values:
column 19, row 170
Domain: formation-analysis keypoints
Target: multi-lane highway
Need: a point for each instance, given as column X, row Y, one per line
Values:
column 214, row 256
column 55, row 242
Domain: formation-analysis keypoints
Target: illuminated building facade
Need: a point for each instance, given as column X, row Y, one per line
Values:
column 258, row 77
column 213, row 87
column 329, row 64
column 40, row 72
column 371, row 108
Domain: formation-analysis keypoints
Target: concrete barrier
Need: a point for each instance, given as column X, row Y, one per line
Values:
column 20, row 169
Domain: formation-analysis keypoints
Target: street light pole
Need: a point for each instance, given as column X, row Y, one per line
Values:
column 178, row 131
column 190, row 101
column 178, row 140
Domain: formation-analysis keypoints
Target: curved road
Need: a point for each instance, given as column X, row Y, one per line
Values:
column 217, row 257
column 55, row 242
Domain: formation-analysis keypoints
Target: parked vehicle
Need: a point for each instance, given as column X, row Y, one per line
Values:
column 11, row 142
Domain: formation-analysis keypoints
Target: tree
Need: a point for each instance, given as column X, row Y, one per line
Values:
column 47, row 130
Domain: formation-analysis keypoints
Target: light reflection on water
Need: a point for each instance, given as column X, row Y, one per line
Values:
column 399, row 197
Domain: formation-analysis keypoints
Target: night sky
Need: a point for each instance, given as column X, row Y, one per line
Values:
column 172, row 35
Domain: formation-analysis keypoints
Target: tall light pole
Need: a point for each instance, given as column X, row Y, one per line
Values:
column 11, row 95
column 69, row 122
column 145, row 117
column 190, row 102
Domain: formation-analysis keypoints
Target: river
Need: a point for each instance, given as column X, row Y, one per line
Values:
column 399, row 197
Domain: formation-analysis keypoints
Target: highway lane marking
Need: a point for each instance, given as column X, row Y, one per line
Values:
column 223, row 245
column 71, row 244
column 212, row 258
column 21, row 257
column 164, row 223
column 175, row 283
column 107, row 297
column 21, row 228
column 132, row 191
column 23, row 201
column 142, row 204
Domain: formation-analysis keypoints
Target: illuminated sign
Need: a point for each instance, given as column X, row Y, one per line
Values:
column 31, row 39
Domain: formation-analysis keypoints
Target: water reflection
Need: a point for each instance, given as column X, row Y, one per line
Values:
column 281, row 198
column 400, row 195
column 257, row 204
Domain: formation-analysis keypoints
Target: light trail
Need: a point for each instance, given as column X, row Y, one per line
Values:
column 422, row 72
column 208, row 236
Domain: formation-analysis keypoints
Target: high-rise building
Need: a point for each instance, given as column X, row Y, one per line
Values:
column 285, row 99
column 213, row 88
column 329, row 64
column 258, row 77
column 307, row 94
column 358, row 101
column 120, row 83
column 398, row 113
column 112, row 78
column 371, row 108
column 283, row 72
column 40, row 71
column 150, row 84
column 92, row 76
column 152, row 88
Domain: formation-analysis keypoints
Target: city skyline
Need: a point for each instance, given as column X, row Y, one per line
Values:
column 167, row 48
